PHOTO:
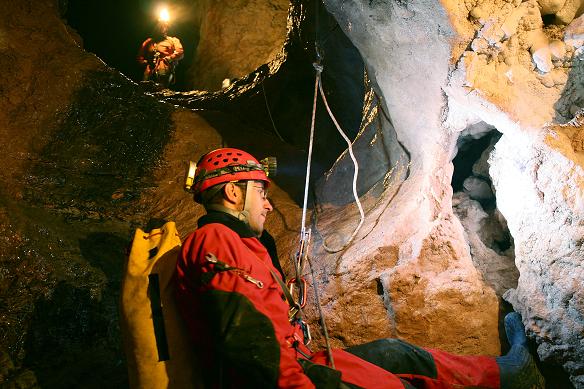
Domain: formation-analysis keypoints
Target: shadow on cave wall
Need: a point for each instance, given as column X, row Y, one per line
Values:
column 79, row 207
column 74, row 337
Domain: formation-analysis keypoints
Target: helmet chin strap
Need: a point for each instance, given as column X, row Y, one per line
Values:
column 242, row 215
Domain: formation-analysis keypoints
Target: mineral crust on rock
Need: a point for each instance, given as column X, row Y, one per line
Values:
column 513, row 67
column 540, row 190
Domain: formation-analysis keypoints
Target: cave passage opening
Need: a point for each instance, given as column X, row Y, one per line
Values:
column 475, row 204
column 114, row 31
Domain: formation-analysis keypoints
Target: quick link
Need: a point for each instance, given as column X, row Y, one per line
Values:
column 305, row 331
column 258, row 283
column 221, row 266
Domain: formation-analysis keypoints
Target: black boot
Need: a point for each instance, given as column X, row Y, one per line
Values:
column 517, row 368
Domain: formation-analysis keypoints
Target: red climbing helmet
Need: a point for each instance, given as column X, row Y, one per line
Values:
column 225, row 165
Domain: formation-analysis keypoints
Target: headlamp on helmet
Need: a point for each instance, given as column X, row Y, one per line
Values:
column 191, row 175
column 270, row 165
column 226, row 165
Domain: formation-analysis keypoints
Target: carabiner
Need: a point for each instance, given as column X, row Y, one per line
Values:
column 301, row 293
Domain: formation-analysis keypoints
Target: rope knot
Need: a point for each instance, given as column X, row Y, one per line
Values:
column 318, row 67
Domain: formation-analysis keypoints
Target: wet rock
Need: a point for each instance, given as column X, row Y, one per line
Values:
column 100, row 147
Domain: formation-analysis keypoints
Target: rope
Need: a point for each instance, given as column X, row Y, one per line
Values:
column 322, row 322
column 310, row 143
column 305, row 232
column 270, row 113
column 356, row 164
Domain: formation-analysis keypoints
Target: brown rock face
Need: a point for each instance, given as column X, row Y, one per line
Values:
column 36, row 81
column 236, row 37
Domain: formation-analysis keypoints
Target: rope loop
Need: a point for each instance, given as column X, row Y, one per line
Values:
column 318, row 67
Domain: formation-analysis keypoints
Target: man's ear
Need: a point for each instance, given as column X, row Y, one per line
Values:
column 232, row 193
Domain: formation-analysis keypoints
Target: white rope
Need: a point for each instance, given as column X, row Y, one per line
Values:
column 305, row 232
column 310, row 143
column 357, row 201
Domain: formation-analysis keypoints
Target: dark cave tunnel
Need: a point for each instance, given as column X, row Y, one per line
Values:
column 129, row 23
column 471, row 176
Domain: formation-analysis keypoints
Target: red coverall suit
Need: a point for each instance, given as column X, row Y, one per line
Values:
column 238, row 319
column 160, row 58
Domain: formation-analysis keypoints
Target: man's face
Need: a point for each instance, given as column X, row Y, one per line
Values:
column 258, row 206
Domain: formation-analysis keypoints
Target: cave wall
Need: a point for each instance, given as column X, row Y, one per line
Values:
column 516, row 67
column 90, row 156
column 228, row 47
column 432, row 293
column 87, row 161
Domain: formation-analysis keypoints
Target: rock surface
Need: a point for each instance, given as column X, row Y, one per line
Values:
column 502, row 64
column 433, row 294
column 540, row 190
column 236, row 37
column 89, row 156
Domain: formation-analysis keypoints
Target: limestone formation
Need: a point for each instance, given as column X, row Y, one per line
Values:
column 507, row 65
column 540, row 190
column 433, row 294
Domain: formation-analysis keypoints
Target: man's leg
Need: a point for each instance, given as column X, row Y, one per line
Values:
column 512, row 371
column 518, row 369
column 427, row 367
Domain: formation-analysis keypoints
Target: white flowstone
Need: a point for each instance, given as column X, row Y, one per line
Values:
column 543, row 59
column 540, row 190
column 417, row 55
column 540, row 50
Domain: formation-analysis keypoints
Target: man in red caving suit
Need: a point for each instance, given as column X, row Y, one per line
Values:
column 230, row 293
column 159, row 55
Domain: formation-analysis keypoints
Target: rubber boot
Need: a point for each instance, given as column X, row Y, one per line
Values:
column 517, row 368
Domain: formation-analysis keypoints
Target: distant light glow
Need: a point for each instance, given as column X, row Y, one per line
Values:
column 163, row 15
